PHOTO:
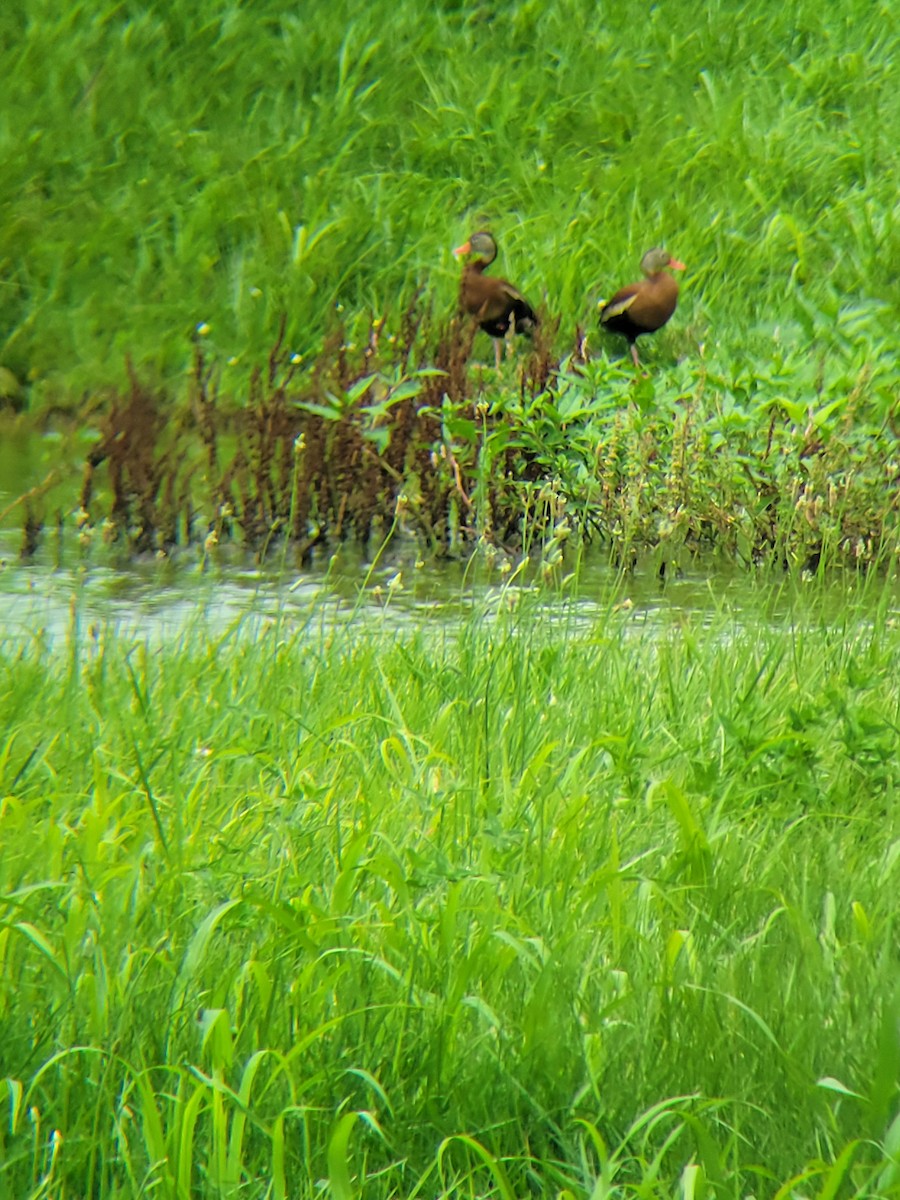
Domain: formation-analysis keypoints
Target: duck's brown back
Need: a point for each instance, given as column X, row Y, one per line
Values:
column 494, row 302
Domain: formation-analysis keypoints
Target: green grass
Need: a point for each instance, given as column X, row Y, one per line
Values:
column 463, row 911
column 167, row 167
column 512, row 908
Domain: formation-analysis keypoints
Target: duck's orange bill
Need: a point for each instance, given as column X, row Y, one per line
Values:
column 464, row 249
column 677, row 265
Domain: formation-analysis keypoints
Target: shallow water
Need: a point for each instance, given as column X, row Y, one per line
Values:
column 160, row 600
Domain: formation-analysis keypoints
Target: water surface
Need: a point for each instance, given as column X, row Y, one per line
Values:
column 159, row 599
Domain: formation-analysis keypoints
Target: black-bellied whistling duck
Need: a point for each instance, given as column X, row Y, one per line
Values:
column 644, row 307
column 494, row 303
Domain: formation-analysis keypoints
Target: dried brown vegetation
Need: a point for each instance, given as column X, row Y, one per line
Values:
column 339, row 451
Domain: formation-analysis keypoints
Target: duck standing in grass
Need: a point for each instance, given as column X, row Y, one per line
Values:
column 494, row 303
column 645, row 306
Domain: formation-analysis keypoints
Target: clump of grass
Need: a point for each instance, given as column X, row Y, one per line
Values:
column 459, row 908
column 345, row 450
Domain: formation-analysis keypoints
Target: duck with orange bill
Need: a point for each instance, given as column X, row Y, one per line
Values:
column 496, row 305
column 645, row 306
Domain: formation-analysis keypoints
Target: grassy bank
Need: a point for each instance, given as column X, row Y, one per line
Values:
column 190, row 191
column 170, row 168
column 460, row 911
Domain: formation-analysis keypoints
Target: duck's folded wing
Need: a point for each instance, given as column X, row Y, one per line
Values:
column 510, row 292
column 618, row 305
column 525, row 316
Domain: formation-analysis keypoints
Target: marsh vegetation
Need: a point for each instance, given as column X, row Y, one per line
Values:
column 522, row 903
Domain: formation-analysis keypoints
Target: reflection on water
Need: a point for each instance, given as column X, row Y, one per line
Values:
column 158, row 601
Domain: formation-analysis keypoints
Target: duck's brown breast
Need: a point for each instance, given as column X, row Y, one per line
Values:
column 482, row 296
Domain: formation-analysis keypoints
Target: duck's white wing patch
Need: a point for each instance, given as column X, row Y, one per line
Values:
column 616, row 310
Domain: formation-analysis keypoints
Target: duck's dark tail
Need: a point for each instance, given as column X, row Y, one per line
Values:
column 524, row 318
